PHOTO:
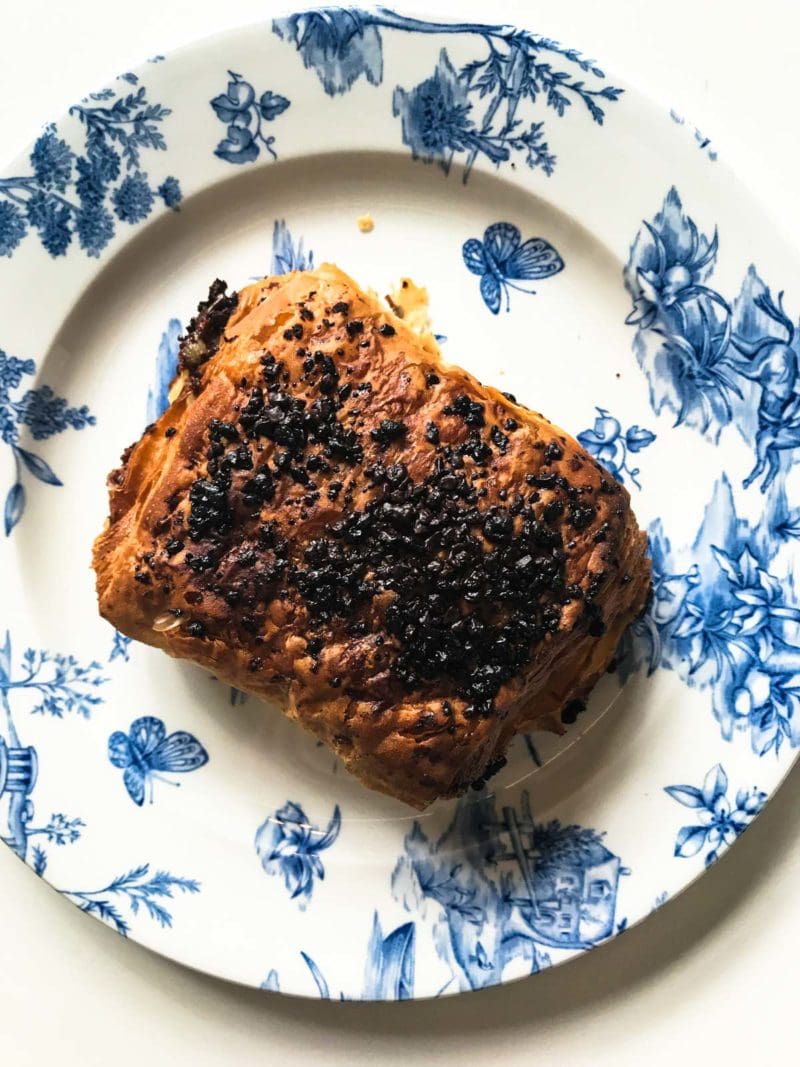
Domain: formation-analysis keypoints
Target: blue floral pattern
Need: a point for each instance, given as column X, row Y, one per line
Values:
column 287, row 844
column 120, row 647
column 726, row 621
column 719, row 820
column 68, row 195
column 518, row 889
column 288, row 255
column 610, row 446
column 711, row 361
column 503, row 260
column 146, row 753
column 454, row 115
column 43, row 414
column 245, row 117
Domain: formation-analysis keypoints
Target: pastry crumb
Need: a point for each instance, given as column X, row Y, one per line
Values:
column 365, row 223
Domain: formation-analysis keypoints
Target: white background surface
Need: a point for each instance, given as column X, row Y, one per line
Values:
column 713, row 976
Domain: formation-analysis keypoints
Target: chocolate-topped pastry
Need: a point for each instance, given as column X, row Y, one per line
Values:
column 414, row 565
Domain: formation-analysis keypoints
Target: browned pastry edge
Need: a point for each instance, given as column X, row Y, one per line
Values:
column 414, row 742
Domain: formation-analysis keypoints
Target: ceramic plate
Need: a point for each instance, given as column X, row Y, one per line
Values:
column 206, row 826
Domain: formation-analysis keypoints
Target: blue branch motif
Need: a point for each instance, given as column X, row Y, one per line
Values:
column 724, row 614
column 481, row 109
column 43, row 414
column 388, row 972
column 65, row 687
column 719, row 820
column 137, row 890
column 287, row 844
column 519, row 887
column 610, row 446
column 245, row 117
column 502, row 260
column 145, row 754
column 711, row 361
column 68, row 194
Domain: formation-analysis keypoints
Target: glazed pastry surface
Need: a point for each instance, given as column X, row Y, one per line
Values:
column 328, row 516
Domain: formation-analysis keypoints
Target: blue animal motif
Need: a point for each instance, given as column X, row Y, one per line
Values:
column 719, row 820
column 455, row 114
column 138, row 890
column 146, row 753
column 70, row 195
column 610, row 446
column 501, row 259
column 287, row 844
column 711, row 361
column 388, row 972
column 44, row 414
column 245, row 117
column 68, row 687
column 723, row 618
column 286, row 255
column 703, row 143
column 120, row 647
column 519, row 887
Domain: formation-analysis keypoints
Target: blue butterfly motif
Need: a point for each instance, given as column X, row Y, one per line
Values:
column 146, row 750
column 501, row 259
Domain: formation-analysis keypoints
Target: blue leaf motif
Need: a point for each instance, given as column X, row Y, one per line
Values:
column 714, row 786
column 243, row 114
column 688, row 795
column 638, row 438
column 317, row 975
column 690, row 840
column 15, row 506
column 37, row 466
column 271, row 105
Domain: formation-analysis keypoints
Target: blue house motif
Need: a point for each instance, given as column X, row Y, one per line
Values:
column 484, row 108
column 712, row 361
column 519, row 888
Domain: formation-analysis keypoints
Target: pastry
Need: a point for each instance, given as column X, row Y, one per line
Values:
column 413, row 565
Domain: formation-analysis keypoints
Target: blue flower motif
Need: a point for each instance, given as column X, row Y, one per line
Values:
column 44, row 414
column 12, row 228
column 170, row 193
column 610, row 446
column 95, row 228
column 145, row 753
column 720, row 821
column 502, row 259
column 342, row 45
column 288, row 845
column 245, row 115
column 120, row 647
column 133, row 199
column 52, row 160
column 68, row 193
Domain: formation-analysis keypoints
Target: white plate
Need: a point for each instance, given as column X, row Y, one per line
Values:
column 663, row 342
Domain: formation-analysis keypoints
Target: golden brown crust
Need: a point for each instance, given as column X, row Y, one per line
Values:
column 239, row 566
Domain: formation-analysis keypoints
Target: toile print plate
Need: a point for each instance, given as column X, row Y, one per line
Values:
column 659, row 324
